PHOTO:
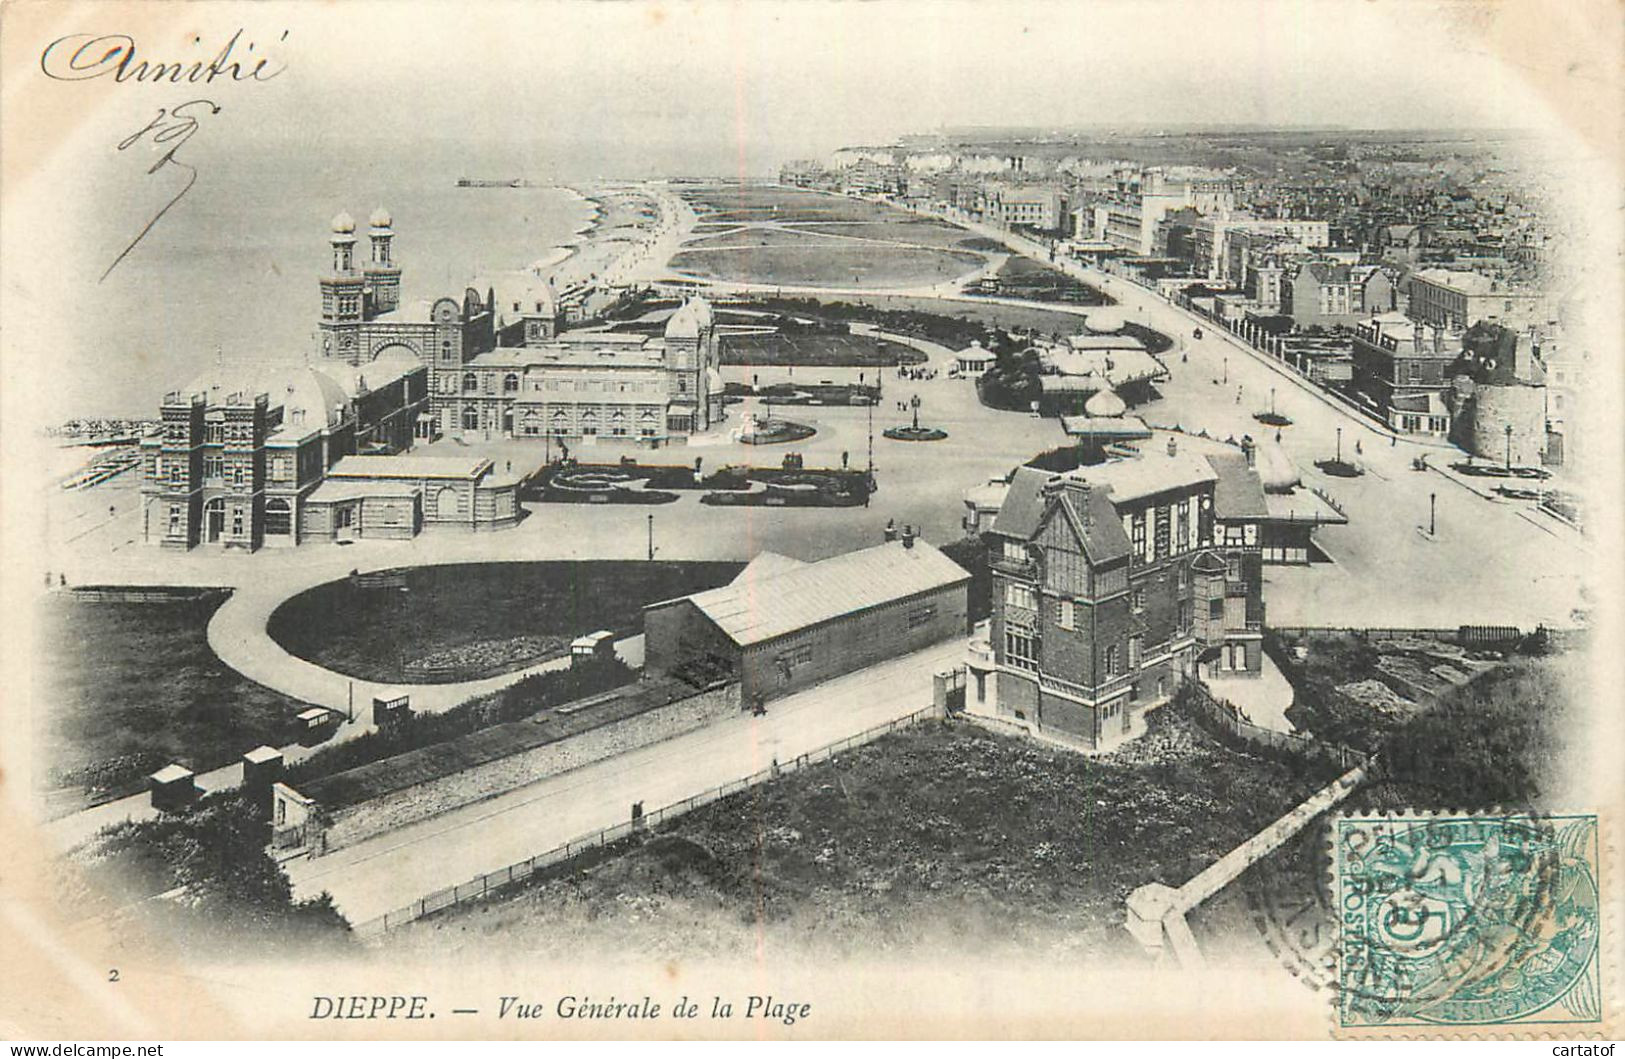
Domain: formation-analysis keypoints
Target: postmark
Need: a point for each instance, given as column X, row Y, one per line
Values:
column 1466, row 920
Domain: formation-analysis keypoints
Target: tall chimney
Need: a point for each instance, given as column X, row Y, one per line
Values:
column 908, row 536
column 890, row 532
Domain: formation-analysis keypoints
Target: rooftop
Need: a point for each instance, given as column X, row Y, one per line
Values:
column 1090, row 514
column 780, row 599
column 1148, row 475
column 409, row 466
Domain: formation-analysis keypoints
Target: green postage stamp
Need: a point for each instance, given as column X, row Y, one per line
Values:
column 1473, row 920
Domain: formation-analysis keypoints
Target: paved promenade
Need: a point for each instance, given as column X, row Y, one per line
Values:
column 392, row 870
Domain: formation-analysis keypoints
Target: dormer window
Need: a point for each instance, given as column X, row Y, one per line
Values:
column 1015, row 551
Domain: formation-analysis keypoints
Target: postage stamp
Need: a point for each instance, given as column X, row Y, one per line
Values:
column 1466, row 921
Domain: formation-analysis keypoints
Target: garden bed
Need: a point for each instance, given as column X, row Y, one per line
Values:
column 800, row 488
column 375, row 633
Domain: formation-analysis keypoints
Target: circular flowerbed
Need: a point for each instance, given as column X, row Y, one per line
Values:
column 1491, row 470
column 1340, row 468
column 915, row 433
column 777, row 431
column 1274, row 419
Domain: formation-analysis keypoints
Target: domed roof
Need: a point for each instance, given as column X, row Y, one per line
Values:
column 528, row 293
column 343, row 223
column 1275, row 468
column 693, row 317
column 1104, row 320
column 1104, row 405
column 380, row 218
column 319, row 398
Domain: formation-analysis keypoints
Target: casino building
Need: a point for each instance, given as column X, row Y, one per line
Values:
column 273, row 455
column 501, row 366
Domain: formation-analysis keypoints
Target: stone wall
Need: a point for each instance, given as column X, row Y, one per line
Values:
column 395, row 810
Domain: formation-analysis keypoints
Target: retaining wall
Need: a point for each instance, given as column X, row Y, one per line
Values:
column 353, row 824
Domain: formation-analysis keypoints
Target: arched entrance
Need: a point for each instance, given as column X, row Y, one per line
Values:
column 214, row 519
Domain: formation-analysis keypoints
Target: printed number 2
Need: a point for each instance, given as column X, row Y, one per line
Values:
column 112, row 975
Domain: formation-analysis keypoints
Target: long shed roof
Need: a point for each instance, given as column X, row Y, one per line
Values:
column 780, row 601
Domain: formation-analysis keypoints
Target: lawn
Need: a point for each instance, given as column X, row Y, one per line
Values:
column 757, row 237
column 375, row 633
column 130, row 687
column 939, row 839
column 905, row 229
column 819, row 349
column 837, row 264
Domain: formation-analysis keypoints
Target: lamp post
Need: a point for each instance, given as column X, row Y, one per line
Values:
column 651, row 537
column 914, row 402
column 1339, row 444
column 1433, row 514
column 1509, row 447
column 1272, row 400
column 1227, row 368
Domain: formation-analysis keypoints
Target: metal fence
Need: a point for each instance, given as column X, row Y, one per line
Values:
column 490, row 882
column 1224, row 716
column 1465, row 635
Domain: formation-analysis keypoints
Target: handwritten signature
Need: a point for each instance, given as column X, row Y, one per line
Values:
column 85, row 56
column 172, row 127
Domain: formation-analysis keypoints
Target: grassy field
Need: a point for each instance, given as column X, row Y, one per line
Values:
column 943, row 838
column 372, row 633
column 757, row 237
column 827, row 349
column 130, row 687
column 905, row 229
column 837, row 264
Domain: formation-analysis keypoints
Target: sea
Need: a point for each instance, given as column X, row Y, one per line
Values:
column 228, row 275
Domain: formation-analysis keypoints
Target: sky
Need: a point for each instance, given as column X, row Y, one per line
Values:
column 640, row 89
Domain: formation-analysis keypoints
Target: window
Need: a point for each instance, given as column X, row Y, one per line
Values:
column 470, row 382
column 1133, row 653
column 236, row 522
column 1161, row 540
column 1138, row 535
column 1021, row 596
column 344, row 516
column 1066, row 614
column 471, row 417
column 1182, row 526
column 236, row 474
column 1111, row 661
column 1015, row 551
column 278, row 518
column 1020, row 650
column 1185, row 615
column 176, row 472
column 214, row 432
column 174, row 520
column 1139, row 600
column 214, row 467
column 1232, row 569
column 510, row 383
